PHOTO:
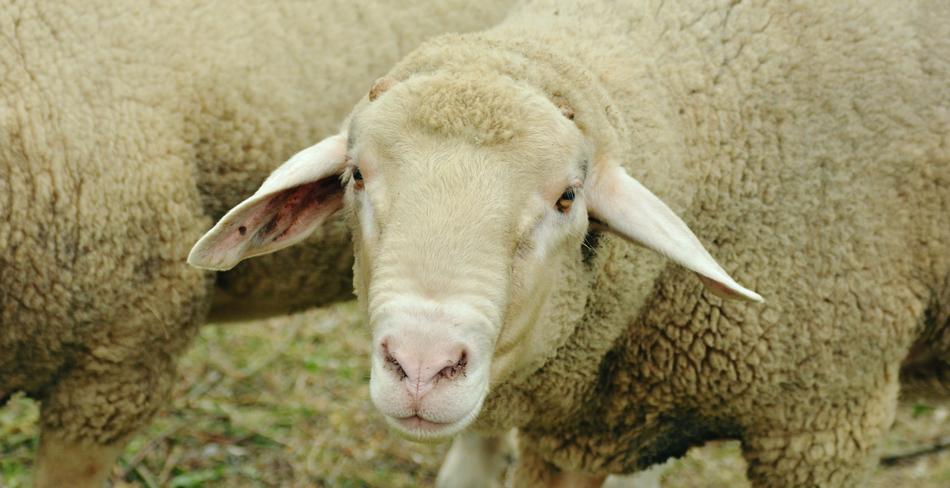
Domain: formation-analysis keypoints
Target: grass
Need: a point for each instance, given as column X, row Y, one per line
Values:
column 285, row 402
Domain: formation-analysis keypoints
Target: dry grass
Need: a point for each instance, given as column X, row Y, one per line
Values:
column 285, row 402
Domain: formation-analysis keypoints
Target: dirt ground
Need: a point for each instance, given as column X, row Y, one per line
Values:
column 285, row 402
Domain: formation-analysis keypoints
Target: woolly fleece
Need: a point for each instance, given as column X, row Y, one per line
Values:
column 808, row 145
column 124, row 131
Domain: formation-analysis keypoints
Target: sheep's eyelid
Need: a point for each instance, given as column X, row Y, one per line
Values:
column 576, row 185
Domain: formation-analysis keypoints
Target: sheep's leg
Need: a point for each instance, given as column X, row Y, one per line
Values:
column 475, row 461
column 60, row 462
column 532, row 470
column 843, row 455
column 88, row 415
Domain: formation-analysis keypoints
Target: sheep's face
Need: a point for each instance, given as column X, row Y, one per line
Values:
column 463, row 216
column 469, row 199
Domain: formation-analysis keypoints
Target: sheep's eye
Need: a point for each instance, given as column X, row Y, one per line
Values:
column 564, row 203
column 357, row 178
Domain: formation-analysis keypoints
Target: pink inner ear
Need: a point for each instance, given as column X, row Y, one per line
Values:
column 284, row 218
column 292, row 210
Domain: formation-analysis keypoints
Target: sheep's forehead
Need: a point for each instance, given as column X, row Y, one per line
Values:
column 485, row 111
column 492, row 126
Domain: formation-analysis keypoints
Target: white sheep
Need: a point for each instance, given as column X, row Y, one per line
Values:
column 124, row 129
column 491, row 180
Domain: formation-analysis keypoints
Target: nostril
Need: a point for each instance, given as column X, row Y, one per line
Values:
column 391, row 363
column 456, row 369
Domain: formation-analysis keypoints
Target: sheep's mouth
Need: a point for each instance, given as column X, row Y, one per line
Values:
column 419, row 428
column 416, row 422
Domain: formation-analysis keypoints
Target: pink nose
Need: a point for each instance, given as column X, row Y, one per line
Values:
column 421, row 365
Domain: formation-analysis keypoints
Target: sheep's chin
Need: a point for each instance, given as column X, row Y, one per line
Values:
column 419, row 429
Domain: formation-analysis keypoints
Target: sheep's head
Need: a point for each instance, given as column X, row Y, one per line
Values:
column 468, row 197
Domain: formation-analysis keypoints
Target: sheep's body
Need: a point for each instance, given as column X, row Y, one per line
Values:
column 124, row 131
column 809, row 146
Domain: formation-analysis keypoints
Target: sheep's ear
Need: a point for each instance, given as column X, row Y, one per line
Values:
column 295, row 199
column 623, row 206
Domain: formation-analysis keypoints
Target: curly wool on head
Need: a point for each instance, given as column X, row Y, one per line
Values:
column 466, row 107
